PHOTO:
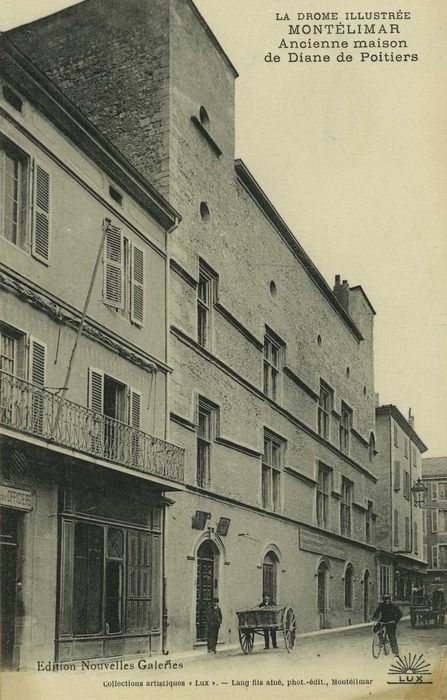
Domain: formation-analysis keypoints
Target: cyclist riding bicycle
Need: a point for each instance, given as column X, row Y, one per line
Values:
column 389, row 614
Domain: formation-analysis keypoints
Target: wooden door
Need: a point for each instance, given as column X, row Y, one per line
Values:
column 206, row 586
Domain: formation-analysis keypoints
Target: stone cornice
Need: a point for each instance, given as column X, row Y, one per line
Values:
column 61, row 314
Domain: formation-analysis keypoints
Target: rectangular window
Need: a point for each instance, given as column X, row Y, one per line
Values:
column 434, row 556
column 406, row 489
column 434, row 521
column 119, row 406
column 442, row 556
column 272, row 464
column 12, row 351
column 205, row 437
column 396, row 528
column 442, row 491
column 384, row 579
column 369, row 523
column 396, row 479
column 415, row 457
column 396, row 436
column 424, row 523
column 203, row 310
column 323, row 492
column 324, row 410
column 442, row 520
column 206, row 296
column 18, row 200
column 415, row 538
column 88, row 579
column 114, row 586
column 434, row 490
column 272, row 361
column 346, row 507
column 406, row 446
column 345, row 427
column 124, row 275
column 407, row 532
column 425, row 555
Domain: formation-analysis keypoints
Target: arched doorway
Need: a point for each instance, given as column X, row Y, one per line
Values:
column 206, row 585
column 269, row 575
column 323, row 594
column 366, row 577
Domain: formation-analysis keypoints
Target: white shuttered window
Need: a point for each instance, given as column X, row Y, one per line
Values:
column 124, row 275
column 37, row 362
column 41, row 213
column 137, row 285
column 114, row 268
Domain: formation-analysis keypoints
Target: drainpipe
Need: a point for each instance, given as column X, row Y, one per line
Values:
column 164, row 608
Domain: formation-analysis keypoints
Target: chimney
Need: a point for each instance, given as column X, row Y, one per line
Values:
column 341, row 291
column 410, row 419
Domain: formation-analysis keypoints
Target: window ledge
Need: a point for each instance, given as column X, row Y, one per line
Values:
column 206, row 135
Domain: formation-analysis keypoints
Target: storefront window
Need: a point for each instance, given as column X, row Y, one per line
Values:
column 88, row 579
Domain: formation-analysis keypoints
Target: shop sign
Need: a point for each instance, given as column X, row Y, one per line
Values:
column 16, row 498
column 314, row 542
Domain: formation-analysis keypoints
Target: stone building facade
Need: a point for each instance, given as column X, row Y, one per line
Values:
column 84, row 459
column 401, row 561
column 434, row 476
column 272, row 389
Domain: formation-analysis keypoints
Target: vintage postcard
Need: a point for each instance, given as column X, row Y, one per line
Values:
column 222, row 349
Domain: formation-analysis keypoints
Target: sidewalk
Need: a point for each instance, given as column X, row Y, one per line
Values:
column 228, row 649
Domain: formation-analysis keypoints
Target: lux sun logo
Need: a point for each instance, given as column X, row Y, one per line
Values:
column 410, row 669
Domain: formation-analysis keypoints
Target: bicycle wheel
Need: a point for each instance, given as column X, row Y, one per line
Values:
column 376, row 645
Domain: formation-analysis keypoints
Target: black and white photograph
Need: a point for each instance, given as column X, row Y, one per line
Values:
column 223, row 343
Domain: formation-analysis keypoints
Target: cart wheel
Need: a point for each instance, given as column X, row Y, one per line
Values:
column 246, row 639
column 289, row 629
column 413, row 619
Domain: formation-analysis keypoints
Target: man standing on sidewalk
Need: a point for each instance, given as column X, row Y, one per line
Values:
column 268, row 632
column 214, row 621
column 389, row 613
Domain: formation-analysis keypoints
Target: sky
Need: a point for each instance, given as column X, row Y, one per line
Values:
column 354, row 157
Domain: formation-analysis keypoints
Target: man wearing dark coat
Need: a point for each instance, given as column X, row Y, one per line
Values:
column 266, row 601
column 387, row 612
column 213, row 621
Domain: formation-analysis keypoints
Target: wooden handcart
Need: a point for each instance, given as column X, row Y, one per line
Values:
column 256, row 620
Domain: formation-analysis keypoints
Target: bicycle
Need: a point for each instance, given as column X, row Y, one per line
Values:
column 380, row 639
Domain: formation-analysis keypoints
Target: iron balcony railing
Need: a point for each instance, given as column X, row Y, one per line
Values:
column 36, row 411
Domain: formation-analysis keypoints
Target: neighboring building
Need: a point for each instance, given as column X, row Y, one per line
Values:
column 85, row 462
column 434, row 476
column 401, row 562
column 272, row 392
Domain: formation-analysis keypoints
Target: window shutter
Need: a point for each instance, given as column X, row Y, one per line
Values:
column 434, row 521
column 434, row 490
column 137, row 285
column 41, row 213
column 37, row 362
column 96, row 390
column 434, row 556
column 114, row 268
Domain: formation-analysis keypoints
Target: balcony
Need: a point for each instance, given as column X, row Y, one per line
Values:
column 37, row 412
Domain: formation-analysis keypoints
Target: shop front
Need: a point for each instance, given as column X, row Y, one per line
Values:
column 110, row 566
